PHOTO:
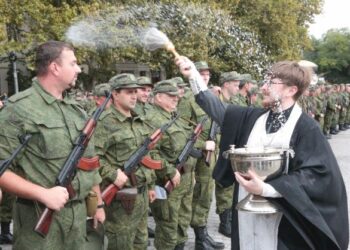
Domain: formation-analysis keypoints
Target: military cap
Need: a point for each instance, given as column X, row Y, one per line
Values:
column 179, row 81
column 254, row 90
column 321, row 81
column 312, row 87
column 329, row 87
column 144, row 80
column 166, row 86
column 123, row 81
column 245, row 78
column 201, row 65
column 229, row 76
column 100, row 89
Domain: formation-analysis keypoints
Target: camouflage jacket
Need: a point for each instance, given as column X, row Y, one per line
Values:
column 172, row 142
column 54, row 125
column 117, row 138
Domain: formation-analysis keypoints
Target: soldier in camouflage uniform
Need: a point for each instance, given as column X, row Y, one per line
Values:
column 6, row 206
column 143, row 95
column 122, row 134
column 321, row 103
column 330, row 110
column 344, row 98
column 245, row 85
column 99, row 96
column 255, row 97
column 337, row 100
column 203, row 190
column 173, row 215
column 54, row 123
column 347, row 125
column 229, row 82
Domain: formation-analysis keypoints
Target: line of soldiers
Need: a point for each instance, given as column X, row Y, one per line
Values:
column 329, row 105
column 136, row 110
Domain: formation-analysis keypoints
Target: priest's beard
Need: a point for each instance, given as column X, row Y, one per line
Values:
column 274, row 102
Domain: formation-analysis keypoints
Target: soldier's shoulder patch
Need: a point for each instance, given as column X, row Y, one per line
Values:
column 21, row 95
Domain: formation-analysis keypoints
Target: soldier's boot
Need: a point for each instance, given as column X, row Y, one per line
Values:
column 332, row 131
column 6, row 236
column 342, row 127
column 204, row 241
column 328, row 136
column 180, row 246
column 150, row 232
column 225, row 223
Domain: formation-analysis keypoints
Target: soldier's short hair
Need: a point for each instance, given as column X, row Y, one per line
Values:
column 47, row 53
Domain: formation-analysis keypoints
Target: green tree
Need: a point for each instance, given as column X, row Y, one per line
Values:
column 332, row 54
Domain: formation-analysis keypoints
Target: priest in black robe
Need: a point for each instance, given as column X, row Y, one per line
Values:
column 312, row 196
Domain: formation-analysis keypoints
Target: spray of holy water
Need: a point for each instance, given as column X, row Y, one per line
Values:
column 138, row 26
column 155, row 39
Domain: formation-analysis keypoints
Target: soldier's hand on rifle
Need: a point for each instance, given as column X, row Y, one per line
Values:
column 151, row 195
column 121, row 179
column 100, row 216
column 185, row 65
column 176, row 179
column 210, row 145
column 55, row 198
column 1, row 104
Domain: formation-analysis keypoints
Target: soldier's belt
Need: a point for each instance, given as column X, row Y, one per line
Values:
column 89, row 164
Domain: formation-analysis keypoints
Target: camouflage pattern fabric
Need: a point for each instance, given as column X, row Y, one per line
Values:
column 54, row 125
column 117, row 137
column 173, row 215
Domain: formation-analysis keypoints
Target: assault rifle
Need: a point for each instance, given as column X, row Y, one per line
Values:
column 6, row 163
column 211, row 137
column 68, row 170
column 138, row 156
column 186, row 152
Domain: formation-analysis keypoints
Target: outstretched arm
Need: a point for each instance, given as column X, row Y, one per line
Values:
column 205, row 99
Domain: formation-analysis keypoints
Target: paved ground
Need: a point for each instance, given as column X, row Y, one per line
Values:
column 339, row 144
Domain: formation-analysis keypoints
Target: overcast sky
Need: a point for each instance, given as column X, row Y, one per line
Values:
column 335, row 14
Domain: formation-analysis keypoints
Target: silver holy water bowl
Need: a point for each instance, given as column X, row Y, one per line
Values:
column 265, row 162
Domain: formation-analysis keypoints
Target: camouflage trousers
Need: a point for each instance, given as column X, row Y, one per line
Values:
column 67, row 230
column 224, row 198
column 128, row 231
column 173, row 215
column 328, row 121
column 335, row 119
column 202, row 193
column 342, row 116
column 6, row 206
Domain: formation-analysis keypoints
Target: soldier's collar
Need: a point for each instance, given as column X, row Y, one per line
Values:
column 163, row 112
column 49, row 99
column 121, row 117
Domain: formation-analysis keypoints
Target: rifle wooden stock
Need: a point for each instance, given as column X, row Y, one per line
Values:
column 44, row 223
column 169, row 186
column 109, row 194
column 208, row 157
column 68, row 170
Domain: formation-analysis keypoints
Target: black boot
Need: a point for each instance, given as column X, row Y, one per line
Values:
column 333, row 132
column 204, row 241
column 225, row 223
column 342, row 127
column 180, row 246
column 150, row 232
column 6, row 236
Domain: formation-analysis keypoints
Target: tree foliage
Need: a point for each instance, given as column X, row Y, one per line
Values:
column 229, row 34
column 332, row 54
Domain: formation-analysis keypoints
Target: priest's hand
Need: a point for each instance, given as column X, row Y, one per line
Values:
column 250, row 181
column 185, row 65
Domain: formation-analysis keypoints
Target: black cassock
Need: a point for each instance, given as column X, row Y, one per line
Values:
column 314, row 201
